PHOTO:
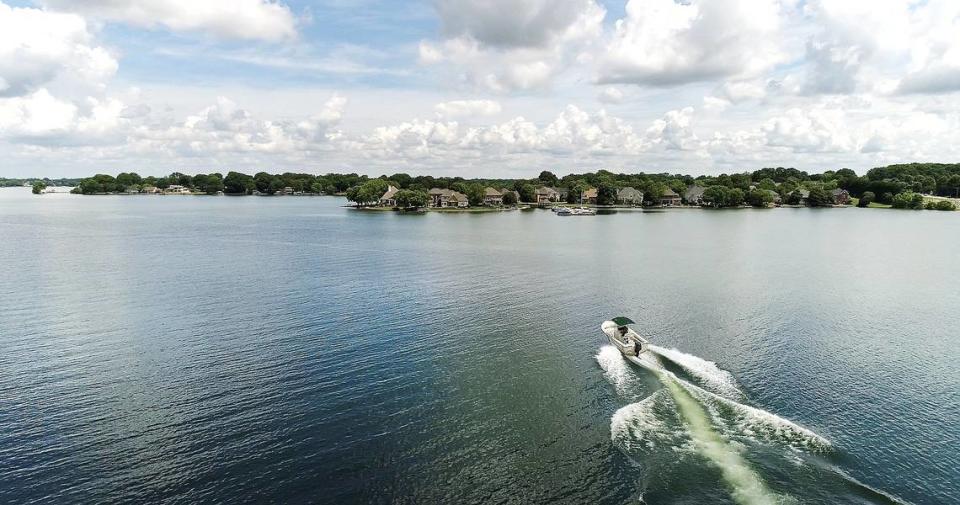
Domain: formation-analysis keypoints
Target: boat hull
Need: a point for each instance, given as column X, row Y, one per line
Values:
column 633, row 347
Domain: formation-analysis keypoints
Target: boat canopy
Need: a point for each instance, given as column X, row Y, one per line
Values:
column 622, row 321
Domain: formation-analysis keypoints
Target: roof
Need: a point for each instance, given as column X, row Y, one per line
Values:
column 694, row 192
column 590, row 193
column 669, row 192
column 460, row 197
column 622, row 321
column 391, row 191
column 837, row 192
column 629, row 191
column 546, row 190
column 437, row 191
column 804, row 193
column 491, row 192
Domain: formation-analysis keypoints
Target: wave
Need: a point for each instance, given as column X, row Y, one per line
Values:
column 719, row 380
column 649, row 424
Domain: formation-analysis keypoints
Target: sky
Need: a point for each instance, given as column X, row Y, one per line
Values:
column 475, row 88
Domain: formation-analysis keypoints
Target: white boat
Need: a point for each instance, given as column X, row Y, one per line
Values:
column 583, row 212
column 630, row 343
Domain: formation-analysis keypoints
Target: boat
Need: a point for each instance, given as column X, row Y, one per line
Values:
column 563, row 211
column 633, row 346
column 583, row 212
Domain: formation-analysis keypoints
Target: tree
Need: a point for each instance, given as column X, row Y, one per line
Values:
column 475, row 194
column 408, row 198
column 606, row 194
column 819, row 197
column 367, row 193
column 526, row 190
column 38, row 187
column 509, row 198
column 548, row 179
column 759, row 197
column 236, row 183
column 908, row 200
column 866, row 199
column 944, row 205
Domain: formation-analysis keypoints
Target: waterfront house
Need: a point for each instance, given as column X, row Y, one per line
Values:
column 777, row 200
column 804, row 196
column 389, row 198
column 694, row 195
column 150, row 190
column 546, row 194
column 285, row 191
column 840, row 196
column 669, row 198
column 492, row 197
column 177, row 189
column 590, row 196
column 629, row 196
column 440, row 197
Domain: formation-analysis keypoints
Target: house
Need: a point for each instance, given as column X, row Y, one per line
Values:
column 492, row 197
column 546, row 194
column 285, row 191
column 151, row 190
column 840, row 196
column 777, row 200
column 804, row 196
column 177, row 189
column 447, row 198
column 589, row 196
column 669, row 198
column 630, row 196
column 388, row 199
column 694, row 195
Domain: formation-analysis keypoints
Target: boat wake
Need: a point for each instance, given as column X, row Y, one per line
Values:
column 700, row 414
column 688, row 419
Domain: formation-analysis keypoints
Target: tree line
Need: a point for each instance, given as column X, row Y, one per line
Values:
column 881, row 184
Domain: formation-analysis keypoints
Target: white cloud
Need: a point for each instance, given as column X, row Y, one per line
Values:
column 522, row 50
column 467, row 108
column 610, row 94
column 666, row 43
column 38, row 48
column 236, row 19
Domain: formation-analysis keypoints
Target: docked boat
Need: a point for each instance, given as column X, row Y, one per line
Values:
column 633, row 346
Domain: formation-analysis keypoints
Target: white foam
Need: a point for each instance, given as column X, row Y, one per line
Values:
column 616, row 370
column 713, row 377
column 643, row 425
column 757, row 424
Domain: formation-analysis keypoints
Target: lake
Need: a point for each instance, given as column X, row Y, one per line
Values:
column 287, row 349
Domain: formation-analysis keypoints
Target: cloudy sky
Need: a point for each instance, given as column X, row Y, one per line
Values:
column 475, row 87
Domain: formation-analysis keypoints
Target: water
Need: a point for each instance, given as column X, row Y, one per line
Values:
column 217, row 349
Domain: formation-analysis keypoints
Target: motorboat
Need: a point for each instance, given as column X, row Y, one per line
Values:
column 633, row 346
column 582, row 211
column 562, row 211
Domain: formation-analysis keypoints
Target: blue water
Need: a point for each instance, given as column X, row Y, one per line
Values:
column 226, row 350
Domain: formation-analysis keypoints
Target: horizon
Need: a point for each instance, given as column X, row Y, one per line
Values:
column 455, row 89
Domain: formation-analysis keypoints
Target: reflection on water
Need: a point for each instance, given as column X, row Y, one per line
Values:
column 289, row 349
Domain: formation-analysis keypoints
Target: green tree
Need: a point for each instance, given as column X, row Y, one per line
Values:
column 866, row 199
column 367, row 193
column 606, row 194
column 526, row 190
column 510, row 198
column 908, row 200
column 236, row 183
column 759, row 197
column 819, row 197
column 475, row 193
column 408, row 198
column 547, row 178
column 945, row 205
column 38, row 187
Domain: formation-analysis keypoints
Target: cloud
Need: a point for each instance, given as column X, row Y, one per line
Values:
column 667, row 43
column 520, row 51
column 38, row 48
column 610, row 94
column 467, row 108
column 231, row 19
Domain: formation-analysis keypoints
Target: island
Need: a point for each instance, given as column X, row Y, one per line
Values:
column 934, row 186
